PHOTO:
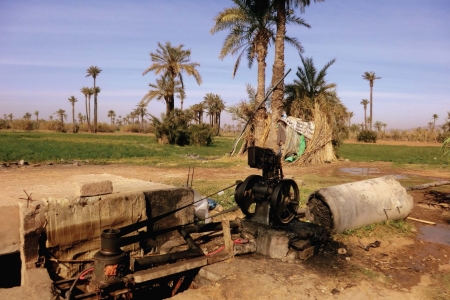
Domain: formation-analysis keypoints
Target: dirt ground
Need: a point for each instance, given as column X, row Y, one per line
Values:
column 410, row 267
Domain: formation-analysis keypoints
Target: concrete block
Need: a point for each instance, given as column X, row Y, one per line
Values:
column 273, row 246
column 89, row 189
column 164, row 202
column 307, row 253
column 32, row 235
column 9, row 229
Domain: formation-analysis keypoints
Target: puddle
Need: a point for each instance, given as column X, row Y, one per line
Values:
column 439, row 234
column 359, row 171
column 366, row 172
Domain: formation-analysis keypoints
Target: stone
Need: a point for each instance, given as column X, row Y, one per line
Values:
column 23, row 163
column 300, row 245
column 89, row 189
column 273, row 246
column 307, row 253
column 291, row 256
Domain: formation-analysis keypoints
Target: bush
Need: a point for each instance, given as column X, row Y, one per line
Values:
column 443, row 136
column 367, row 136
column 201, row 135
column 175, row 129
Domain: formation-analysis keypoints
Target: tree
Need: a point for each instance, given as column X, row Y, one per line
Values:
column 165, row 88
column 111, row 114
column 378, row 125
column 80, row 118
column 72, row 101
column 181, row 96
column 435, row 117
column 198, row 110
column 62, row 115
column 371, row 77
column 141, row 111
column 251, row 25
column 172, row 62
column 308, row 86
column 94, row 71
column 364, row 102
column 87, row 92
column 36, row 113
column 10, row 116
column 350, row 116
column 283, row 9
column 27, row 116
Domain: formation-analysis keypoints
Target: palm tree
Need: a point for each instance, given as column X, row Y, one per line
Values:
column 283, row 9
column 435, row 117
column 172, row 62
column 36, row 113
column 364, row 102
column 80, row 118
column 252, row 29
column 27, row 116
column 141, row 111
column 308, row 86
column 111, row 114
column 10, row 116
column 87, row 92
column 72, row 100
column 163, row 89
column 350, row 116
column 384, row 128
column 62, row 115
column 371, row 77
column 181, row 96
column 378, row 125
column 94, row 71
column 198, row 110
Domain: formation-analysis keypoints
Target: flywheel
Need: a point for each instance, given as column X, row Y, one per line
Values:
column 243, row 194
column 284, row 201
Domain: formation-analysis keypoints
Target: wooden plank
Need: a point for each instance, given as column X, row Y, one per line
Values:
column 227, row 237
column 421, row 221
column 170, row 269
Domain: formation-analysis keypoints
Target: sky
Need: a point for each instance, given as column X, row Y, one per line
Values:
column 46, row 47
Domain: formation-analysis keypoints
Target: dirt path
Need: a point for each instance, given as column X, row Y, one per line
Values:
column 411, row 267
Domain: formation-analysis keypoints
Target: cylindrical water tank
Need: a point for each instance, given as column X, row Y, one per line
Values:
column 352, row 205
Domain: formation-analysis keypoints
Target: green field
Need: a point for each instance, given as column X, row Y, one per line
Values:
column 395, row 154
column 39, row 147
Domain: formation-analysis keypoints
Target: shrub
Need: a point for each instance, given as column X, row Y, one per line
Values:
column 130, row 128
column 367, row 136
column 175, row 129
column 201, row 135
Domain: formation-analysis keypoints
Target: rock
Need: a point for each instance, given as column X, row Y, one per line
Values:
column 307, row 253
column 218, row 208
column 347, row 258
column 300, row 245
column 77, row 164
column 87, row 189
column 23, row 163
column 291, row 256
column 346, row 159
column 342, row 251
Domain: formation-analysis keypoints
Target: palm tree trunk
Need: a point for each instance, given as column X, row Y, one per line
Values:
column 95, row 108
column 73, row 117
column 278, row 73
column 365, row 118
column 89, row 114
column 218, row 123
column 260, row 93
column 371, row 88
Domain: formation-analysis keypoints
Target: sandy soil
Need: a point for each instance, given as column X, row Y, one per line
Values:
column 409, row 267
